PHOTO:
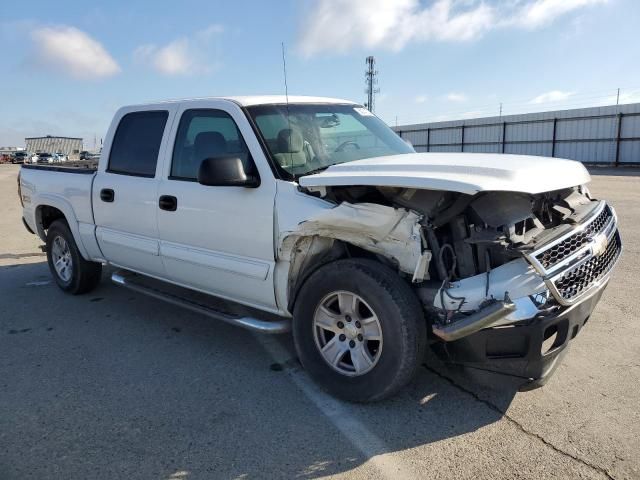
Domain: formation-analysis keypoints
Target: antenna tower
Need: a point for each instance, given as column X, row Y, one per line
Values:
column 371, row 80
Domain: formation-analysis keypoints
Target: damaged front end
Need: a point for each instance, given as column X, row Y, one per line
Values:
column 565, row 249
column 506, row 278
column 520, row 276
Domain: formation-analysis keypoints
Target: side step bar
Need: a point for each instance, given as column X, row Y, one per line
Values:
column 135, row 282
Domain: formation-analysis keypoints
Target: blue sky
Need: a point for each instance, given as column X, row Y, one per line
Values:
column 68, row 65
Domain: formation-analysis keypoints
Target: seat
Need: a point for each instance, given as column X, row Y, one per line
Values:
column 205, row 145
column 290, row 148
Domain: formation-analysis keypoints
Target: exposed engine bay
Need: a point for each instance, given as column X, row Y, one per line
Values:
column 466, row 255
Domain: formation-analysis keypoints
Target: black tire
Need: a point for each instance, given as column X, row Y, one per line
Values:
column 85, row 275
column 401, row 320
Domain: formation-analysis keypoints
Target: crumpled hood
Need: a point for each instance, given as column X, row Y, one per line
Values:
column 468, row 173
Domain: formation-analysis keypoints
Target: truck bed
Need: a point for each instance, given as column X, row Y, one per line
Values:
column 67, row 188
column 68, row 167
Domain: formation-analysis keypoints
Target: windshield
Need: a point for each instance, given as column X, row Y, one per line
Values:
column 303, row 138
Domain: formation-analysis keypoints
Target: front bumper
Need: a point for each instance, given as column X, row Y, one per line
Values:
column 520, row 350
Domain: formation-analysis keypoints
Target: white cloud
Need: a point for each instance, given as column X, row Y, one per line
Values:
column 183, row 56
column 542, row 12
column 210, row 32
column 626, row 96
column 73, row 52
column 421, row 99
column 172, row 59
column 630, row 97
column 337, row 26
column 552, row 96
column 456, row 97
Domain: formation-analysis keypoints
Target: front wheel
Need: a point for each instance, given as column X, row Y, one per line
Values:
column 71, row 272
column 359, row 330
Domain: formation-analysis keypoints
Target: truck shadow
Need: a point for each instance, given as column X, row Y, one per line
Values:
column 149, row 385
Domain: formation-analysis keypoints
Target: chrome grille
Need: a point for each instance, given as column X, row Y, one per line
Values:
column 559, row 251
column 577, row 280
column 581, row 260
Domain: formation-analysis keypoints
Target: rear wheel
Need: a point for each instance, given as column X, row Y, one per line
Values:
column 71, row 272
column 359, row 330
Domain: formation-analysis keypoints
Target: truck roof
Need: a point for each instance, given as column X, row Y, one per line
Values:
column 251, row 100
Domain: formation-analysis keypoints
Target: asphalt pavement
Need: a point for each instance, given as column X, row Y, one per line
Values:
column 115, row 385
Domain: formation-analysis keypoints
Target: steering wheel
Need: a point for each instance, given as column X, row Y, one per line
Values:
column 344, row 145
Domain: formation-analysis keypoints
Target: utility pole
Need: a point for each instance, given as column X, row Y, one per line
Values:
column 371, row 80
column 618, row 98
column 501, row 109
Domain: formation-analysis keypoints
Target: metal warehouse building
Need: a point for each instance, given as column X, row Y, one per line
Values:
column 600, row 135
column 68, row 145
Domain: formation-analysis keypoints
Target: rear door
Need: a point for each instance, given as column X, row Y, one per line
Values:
column 217, row 239
column 125, row 190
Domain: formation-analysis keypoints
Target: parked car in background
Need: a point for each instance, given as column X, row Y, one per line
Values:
column 20, row 157
column 59, row 157
column 84, row 155
column 42, row 157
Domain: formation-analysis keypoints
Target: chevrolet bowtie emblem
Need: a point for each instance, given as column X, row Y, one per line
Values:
column 600, row 243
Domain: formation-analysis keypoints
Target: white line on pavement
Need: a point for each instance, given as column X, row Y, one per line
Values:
column 340, row 414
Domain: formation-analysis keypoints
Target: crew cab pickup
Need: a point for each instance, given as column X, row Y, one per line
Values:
column 311, row 214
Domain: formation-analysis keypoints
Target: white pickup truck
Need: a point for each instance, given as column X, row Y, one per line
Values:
column 311, row 214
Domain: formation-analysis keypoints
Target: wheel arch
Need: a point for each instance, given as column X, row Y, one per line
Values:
column 313, row 252
column 390, row 236
column 50, row 209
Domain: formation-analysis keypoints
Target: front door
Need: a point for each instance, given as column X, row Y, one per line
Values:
column 217, row 239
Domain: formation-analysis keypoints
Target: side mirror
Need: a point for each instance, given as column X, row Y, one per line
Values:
column 226, row 172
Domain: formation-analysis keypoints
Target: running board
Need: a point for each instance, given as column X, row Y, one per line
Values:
column 198, row 303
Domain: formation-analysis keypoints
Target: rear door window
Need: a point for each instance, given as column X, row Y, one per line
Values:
column 136, row 144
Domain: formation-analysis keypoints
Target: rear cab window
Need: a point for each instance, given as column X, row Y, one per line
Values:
column 136, row 144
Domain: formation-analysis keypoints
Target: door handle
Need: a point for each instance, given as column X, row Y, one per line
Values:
column 168, row 203
column 107, row 195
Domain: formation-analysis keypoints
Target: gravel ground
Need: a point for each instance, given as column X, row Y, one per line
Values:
column 116, row 385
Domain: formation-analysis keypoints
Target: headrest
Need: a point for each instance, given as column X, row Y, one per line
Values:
column 209, row 144
column 289, row 141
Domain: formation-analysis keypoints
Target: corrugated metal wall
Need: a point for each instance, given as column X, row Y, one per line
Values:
column 602, row 135
column 69, row 146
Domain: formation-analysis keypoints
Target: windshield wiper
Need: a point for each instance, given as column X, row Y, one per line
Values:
column 312, row 172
